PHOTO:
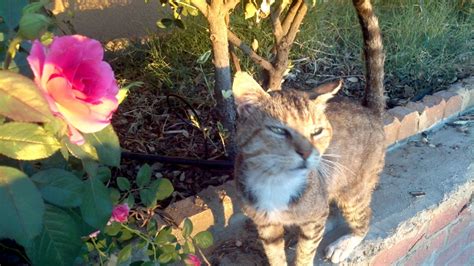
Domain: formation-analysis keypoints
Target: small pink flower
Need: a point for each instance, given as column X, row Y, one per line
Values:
column 94, row 234
column 79, row 86
column 192, row 260
column 120, row 213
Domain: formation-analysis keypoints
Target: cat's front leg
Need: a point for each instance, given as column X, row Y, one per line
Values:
column 273, row 243
column 308, row 241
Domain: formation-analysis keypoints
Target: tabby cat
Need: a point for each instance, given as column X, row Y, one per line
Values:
column 298, row 152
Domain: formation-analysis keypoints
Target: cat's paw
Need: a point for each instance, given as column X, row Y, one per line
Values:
column 340, row 249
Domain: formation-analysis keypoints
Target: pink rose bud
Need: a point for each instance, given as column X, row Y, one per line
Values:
column 192, row 260
column 120, row 213
column 94, row 234
column 78, row 85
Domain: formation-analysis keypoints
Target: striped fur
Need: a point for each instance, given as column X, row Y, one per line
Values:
column 298, row 152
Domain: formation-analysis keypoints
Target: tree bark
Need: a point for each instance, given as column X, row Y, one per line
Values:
column 223, row 80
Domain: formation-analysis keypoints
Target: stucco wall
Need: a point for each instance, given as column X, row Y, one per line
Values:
column 109, row 19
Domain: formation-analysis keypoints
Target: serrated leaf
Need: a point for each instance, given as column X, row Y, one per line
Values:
column 21, row 100
column 164, row 236
column 143, row 175
column 107, row 145
column 163, row 188
column 125, row 253
column 204, row 239
column 130, row 201
column 21, row 206
column 96, row 207
column 189, row 247
column 84, row 152
column 123, row 183
column 187, row 228
column 60, row 241
column 59, row 187
column 25, row 141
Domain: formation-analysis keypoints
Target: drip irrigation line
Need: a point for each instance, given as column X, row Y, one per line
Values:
column 218, row 164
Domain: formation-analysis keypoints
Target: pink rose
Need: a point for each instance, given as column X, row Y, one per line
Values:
column 94, row 234
column 192, row 260
column 120, row 213
column 79, row 86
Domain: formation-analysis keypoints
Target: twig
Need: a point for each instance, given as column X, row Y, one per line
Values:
column 290, row 15
column 249, row 52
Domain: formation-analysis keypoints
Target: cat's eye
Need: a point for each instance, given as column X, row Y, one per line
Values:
column 278, row 130
column 316, row 132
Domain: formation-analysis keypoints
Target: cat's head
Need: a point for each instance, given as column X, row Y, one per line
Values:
column 288, row 130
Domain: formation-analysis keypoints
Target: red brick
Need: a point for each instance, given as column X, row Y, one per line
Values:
column 460, row 227
column 445, row 217
column 452, row 250
column 391, row 128
column 453, row 103
column 408, row 121
column 435, row 108
column 397, row 251
column 423, row 121
column 427, row 248
column 465, row 258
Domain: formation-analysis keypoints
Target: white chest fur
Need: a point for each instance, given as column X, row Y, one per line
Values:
column 273, row 193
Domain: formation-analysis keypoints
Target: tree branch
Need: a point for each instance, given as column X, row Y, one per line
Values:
column 276, row 23
column 233, row 39
column 201, row 5
column 295, row 25
column 290, row 15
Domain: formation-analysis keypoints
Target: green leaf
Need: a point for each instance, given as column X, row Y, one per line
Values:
column 96, row 207
column 104, row 174
column 143, row 176
column 123, row 183
column 204, row 57
column 164, row 236
column 189, row 247
column 84, row 152
column 165, row 257
column 187, row 228
column 203, row 239
column 164, row 23
column 130, row 201
column 59, row 187
column 163, row 188
column 107, row 145
column 179, row 23
column 33, row 25
column 113, row 229
column 21, row 206
column 123, row 92
column 24, row 141
column 60, row 241
column 125, row 253
column 21, row 100
column 114, row 195
column 147, row 197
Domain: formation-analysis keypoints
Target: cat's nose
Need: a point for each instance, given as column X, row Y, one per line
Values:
column 304, row 153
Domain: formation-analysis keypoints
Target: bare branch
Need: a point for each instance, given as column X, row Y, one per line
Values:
column 295, row 25
column 276, row 23
column 290, row 15
column 233, row 39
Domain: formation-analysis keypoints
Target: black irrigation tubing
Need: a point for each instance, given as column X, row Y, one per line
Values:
column 216, row 164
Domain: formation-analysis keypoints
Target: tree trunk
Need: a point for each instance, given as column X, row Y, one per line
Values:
column 223, row 79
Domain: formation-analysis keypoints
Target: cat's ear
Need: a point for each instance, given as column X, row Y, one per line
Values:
column 324, row 92
column 247, row 92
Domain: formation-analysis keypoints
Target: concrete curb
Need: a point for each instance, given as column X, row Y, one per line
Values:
column 217, row 209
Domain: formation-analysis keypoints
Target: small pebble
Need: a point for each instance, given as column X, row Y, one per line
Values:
column 158, row 175
column 238, row 243
column 432, row 145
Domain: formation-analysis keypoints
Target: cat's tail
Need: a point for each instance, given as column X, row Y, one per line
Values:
column 374, row 56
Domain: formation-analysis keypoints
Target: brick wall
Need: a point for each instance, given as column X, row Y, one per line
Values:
column 446, row 239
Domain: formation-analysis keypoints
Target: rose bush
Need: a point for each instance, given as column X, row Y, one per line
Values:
column 78, row 85
column 120, row 213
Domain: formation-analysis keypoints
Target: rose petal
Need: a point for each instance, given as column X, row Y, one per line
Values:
column 36, row 58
